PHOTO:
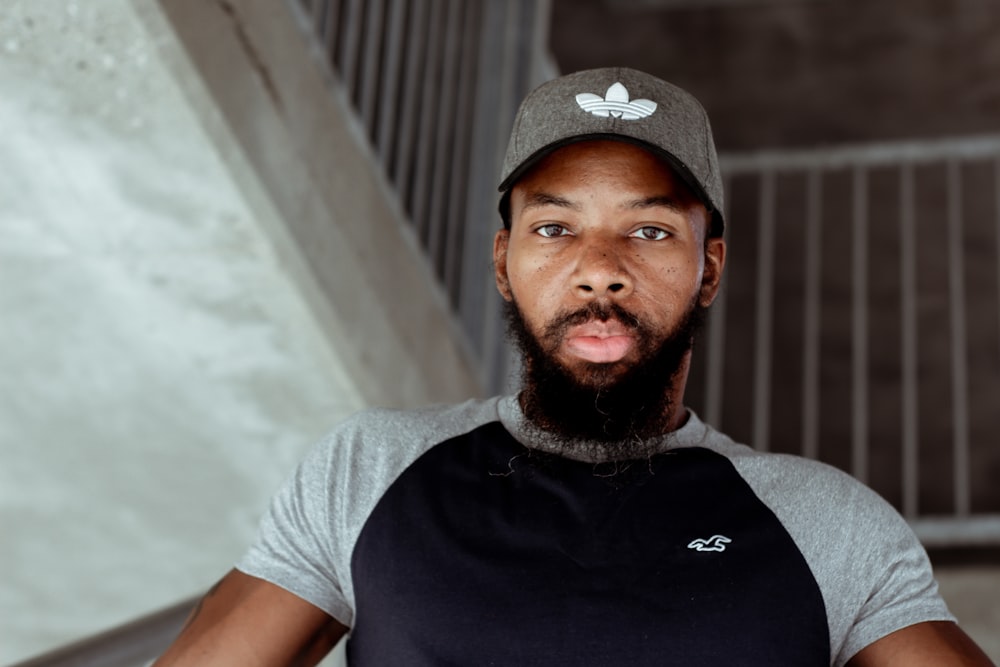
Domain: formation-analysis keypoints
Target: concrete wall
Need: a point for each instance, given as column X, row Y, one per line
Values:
column 170, row 344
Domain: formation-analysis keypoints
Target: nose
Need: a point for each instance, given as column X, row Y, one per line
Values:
column 601, row 271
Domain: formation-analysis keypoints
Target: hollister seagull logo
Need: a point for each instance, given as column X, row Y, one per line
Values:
column 714, row 543
column 615, row 103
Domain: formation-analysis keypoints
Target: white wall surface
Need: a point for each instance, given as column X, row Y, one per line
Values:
column 160, row 372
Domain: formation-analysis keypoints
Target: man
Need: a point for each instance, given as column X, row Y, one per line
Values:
column 591, row 519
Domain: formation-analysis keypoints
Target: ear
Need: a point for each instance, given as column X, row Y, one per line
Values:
column 711, row 277
column 500, row 242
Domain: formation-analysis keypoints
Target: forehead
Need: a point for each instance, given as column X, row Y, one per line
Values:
column 603, row 161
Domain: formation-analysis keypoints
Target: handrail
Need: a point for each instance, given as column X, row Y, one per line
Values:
column 869, row 154
column 134, row 643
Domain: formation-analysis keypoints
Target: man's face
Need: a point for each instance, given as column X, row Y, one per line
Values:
column 605, row 262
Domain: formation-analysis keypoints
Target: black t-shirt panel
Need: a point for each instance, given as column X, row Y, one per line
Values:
column 483, row 552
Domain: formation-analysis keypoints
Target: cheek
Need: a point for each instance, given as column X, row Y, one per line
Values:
column 535, row 293
column 529, row 274
column 531, row 297
column 670, row 287
column 685, row 275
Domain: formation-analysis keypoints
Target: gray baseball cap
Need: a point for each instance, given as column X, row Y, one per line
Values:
column 625, row 105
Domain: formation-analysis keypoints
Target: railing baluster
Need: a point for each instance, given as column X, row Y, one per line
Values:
column 350, row 39
column 811, row 324
column 765, row 314
column 388, row 118
column 444, row 132
column 908, row 288
column 331, row 28
column 859, row 326
column 316, row 10
column 959, row 358
column 371, row 63
column 430, row 105
column 996, row 194
column 459, row 181
column 416, row 52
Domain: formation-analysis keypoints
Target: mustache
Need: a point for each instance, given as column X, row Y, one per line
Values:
column 601, row 312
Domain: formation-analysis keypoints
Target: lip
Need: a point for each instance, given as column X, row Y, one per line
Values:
column 599, row 329
column 599, row 342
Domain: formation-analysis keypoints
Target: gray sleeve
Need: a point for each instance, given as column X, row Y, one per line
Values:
column 873, row 573
column 893, row 581
column 307, row 536
column 296, row 545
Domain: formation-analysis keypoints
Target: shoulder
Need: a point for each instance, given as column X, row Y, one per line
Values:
column 308, row 534
column 787, row 480
column 871, row 569
column 802, row 480
column 807, row 496
column 826, row 510
column 412, row 430
column 379, row 443
column 435, row 420
column 346, row 472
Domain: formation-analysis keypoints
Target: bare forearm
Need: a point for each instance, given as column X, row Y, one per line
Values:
column 936, row 644
column 245, row 621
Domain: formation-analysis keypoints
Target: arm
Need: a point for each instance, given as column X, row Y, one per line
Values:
column 247, row 621
column 930, row 644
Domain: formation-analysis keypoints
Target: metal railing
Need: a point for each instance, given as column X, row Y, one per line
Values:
column 867, row 278
column 436, row 84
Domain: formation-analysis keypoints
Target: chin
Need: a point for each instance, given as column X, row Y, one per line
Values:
column 598, row 375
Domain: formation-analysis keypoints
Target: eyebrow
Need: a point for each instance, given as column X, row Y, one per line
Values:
column 664, row 201
column 540, row 199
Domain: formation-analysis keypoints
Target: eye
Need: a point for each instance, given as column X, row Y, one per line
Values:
column 651, row 233
column 552, row 230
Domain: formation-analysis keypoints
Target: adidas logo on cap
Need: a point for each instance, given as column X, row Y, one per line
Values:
column 615, row 103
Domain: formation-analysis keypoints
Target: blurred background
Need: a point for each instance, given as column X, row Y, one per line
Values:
column 227, row 224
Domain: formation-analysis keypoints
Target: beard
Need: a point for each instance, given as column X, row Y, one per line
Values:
column 614, row 407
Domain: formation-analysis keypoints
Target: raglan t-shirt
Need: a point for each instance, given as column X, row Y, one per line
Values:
column 461, row 535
